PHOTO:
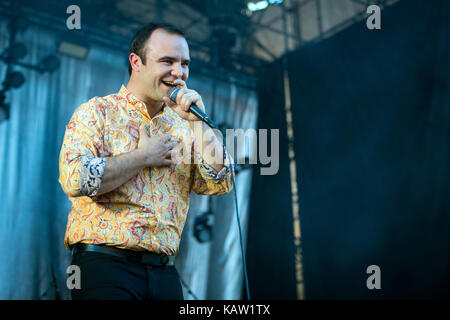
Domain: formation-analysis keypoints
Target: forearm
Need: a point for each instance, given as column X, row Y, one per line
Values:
column 120, row 169
column 210, row 146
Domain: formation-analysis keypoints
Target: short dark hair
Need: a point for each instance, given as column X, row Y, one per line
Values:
column 137, row 45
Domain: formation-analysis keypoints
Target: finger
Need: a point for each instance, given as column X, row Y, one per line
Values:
column 175, row 146
column 166, row 138
column 176, row 157
column 180, row 94
column 171, row 145
column 169, row 102
column 188, row 99
column 172, row 155
column 180, row 83
column 192, row 98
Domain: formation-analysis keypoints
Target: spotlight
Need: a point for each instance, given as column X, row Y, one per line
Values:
column 49, row 64
column 203, row 228
column 261, row 5
column 14, row 80
column 14, row 53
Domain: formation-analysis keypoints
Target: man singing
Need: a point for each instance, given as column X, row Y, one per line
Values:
column 118, row 165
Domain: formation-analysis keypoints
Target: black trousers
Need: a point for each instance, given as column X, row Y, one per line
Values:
column 107, row 277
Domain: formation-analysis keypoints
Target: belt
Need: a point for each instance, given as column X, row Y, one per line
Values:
column 144, row 257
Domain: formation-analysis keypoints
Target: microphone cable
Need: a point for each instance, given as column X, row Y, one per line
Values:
column 244, row 263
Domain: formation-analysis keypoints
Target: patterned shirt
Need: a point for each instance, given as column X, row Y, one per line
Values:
column 149, row 211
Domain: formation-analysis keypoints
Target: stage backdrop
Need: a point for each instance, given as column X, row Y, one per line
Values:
column 371, row 115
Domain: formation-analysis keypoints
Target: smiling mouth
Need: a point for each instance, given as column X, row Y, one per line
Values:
column 169, row 83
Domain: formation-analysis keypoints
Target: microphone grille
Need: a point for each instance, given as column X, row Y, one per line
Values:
column 173, row 94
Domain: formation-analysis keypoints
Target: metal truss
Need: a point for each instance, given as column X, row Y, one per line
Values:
column 293, row 11
column 97, row 34
column 244, row 63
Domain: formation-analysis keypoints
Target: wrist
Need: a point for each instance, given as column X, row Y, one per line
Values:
column 139, row 158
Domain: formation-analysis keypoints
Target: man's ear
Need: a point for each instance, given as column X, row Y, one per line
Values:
column 135, row 61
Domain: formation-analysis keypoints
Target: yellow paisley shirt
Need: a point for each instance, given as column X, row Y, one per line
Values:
column 149, row 211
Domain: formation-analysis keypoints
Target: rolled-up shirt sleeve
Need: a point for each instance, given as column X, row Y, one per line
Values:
column 208, row 181
column 81, row 165
column 91, row 174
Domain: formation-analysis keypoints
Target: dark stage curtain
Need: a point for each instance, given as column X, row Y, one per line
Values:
column 371, row 125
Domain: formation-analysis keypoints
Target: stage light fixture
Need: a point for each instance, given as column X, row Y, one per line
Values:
column 50, row 64
column 203, row 227
column 11, row 56
column 261, row 5
column 14, row 52
column 14, row 79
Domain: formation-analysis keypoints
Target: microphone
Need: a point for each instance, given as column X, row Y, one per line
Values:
column 193, row 108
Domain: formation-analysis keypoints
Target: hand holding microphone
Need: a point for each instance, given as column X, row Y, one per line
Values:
column 188, row 104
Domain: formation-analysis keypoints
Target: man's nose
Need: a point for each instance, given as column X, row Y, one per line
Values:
column 177, row 70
